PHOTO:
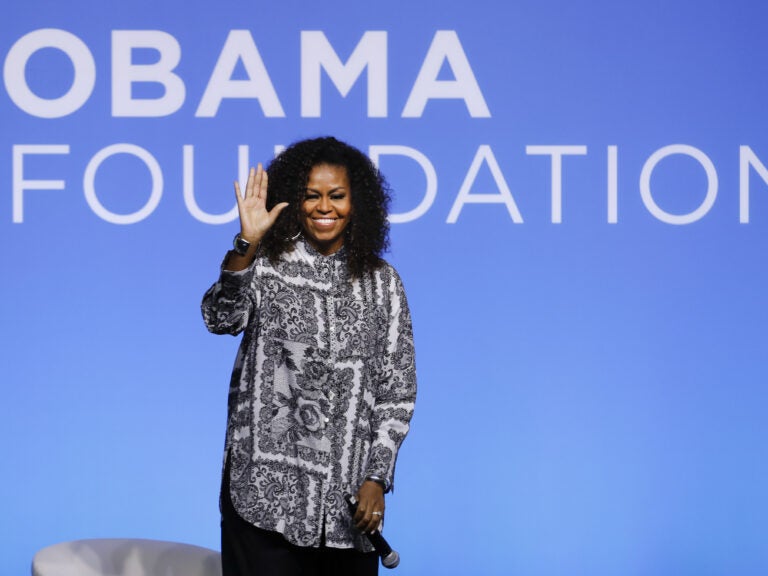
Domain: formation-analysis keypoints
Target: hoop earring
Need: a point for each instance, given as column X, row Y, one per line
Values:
column 295, row 236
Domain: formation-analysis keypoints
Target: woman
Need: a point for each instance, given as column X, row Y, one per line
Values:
column 324, row 383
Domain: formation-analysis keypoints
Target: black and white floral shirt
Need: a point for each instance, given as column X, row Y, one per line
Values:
column 322, row 391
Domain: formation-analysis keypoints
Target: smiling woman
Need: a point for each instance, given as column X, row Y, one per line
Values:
column 324, row 383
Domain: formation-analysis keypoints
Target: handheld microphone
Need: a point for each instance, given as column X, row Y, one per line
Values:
column 389, row 558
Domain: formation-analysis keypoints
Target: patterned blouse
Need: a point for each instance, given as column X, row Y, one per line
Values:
column 322, row 390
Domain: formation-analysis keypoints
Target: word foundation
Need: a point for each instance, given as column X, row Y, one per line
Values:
column 484, row 159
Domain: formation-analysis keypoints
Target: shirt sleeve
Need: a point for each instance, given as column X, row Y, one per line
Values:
column 396, row 393
column 229, row 303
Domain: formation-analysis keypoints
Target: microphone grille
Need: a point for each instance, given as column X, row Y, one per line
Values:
column 391, row 560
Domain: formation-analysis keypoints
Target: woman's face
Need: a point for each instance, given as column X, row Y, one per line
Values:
column 327, row 207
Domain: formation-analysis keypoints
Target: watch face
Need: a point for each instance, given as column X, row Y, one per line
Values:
column 241, row 246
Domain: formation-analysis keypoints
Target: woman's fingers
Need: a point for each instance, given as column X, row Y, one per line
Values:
column 370, row 508
column 238, row 195
column 275, row 212
column 255, row 219
column 370, row 520
column 256, row 187
column 262, row 184
column 249, row 184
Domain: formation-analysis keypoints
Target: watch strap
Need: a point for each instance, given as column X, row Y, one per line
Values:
column 379, row 480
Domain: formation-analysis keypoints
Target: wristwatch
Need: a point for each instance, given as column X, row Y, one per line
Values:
column 241, row 244
column 379, row 480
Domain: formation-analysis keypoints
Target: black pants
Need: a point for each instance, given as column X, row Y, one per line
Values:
column 250, row 551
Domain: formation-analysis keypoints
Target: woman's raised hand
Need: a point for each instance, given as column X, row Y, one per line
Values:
column 255, row 219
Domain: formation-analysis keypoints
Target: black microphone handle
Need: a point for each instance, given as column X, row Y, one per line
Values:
column 389, row 558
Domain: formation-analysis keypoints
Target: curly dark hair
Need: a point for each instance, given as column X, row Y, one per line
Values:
column 366, row 236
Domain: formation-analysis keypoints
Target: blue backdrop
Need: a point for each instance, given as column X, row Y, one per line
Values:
column 580, row 220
